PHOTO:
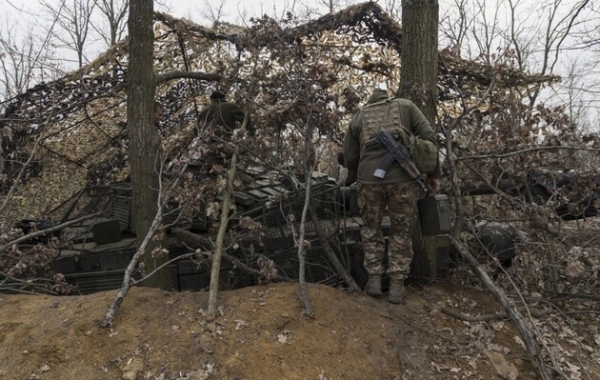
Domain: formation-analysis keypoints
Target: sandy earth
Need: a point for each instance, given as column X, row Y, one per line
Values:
column 260, row 334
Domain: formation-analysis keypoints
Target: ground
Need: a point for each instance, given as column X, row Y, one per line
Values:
column 261, row 333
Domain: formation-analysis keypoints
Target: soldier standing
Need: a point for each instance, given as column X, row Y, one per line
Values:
column 226, row 115
column 397, row 191
column 217, row 123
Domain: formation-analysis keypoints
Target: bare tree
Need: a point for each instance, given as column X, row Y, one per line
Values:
column 23, row 62
column 24, row 58
column 332, row 5
column 531, row 38
column 555, row 31
column 455, row 25
column 472, row 29
column 212, row 11
column 114, row 13
column 74, row 19
column 573, row 90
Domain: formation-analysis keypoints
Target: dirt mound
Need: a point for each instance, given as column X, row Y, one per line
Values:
column 260, row 334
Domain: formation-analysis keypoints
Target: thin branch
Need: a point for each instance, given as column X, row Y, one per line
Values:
column 127, row 278
column 342, row 272
column 30, row 283
column 186, row 74
column 245, row 268
column 21, row 291
column 528, row 339
column 47, row 231
column 128, row 275
column 173, row 260
column 17, row 180
column 503, row 315
column 576, row 296
column 529, row 150
column 216, row 264
column 302, row 233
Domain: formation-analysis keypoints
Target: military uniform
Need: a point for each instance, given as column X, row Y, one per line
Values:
column 216, row 125
column 225, row 115
column 396, row 191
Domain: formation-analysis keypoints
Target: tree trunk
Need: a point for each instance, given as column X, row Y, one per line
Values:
column 418, row 83
column 144, row 145
column 419, row 69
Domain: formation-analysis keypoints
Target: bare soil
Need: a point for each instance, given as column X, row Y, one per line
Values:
column 261, row 333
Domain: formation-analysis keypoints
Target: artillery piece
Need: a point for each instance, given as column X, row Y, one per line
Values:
column 101, row 248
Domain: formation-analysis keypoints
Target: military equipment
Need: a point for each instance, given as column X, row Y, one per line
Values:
column 100, row 249
column 540, row 188
column 500, row 239
column 488, row 240
column 434, row 215
column 32, row 225
column 384, row 114
column 396, row 153
column 424, row 154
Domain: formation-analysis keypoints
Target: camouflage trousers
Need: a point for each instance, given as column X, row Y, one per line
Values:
column 401, row 202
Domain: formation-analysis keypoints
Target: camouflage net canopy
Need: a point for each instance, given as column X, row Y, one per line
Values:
column 288, row 73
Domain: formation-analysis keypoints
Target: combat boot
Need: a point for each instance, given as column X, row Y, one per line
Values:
column 397, row 292
column 373, row 287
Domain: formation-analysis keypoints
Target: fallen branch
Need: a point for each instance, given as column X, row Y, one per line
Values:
column 557, row 235
column 528, row 339
column 207, row 244
column 584, row 296
column 420, row 327
column 330, row 254
column 175, row 259
column 4, row 286
column 197, row 241
column 9, row 288
column 503, row 315
column 247, row 269
column 47, row 230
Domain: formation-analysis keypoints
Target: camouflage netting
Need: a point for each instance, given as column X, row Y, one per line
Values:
column 288, row 73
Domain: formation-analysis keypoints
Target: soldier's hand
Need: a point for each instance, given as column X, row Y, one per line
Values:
column 432, row 184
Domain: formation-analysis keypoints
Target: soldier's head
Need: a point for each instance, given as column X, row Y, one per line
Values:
column 217, row 97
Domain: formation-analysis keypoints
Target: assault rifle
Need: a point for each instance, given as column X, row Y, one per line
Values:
column 396, row 153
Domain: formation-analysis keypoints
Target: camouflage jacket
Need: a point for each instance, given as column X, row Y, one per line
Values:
column 399, row 116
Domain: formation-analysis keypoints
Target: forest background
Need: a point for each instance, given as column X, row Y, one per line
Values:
column 39, row 43
column 548, row 39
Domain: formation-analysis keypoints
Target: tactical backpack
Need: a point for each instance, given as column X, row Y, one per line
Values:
column 380, row 115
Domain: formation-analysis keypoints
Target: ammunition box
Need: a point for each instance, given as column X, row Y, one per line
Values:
column 434, row 215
